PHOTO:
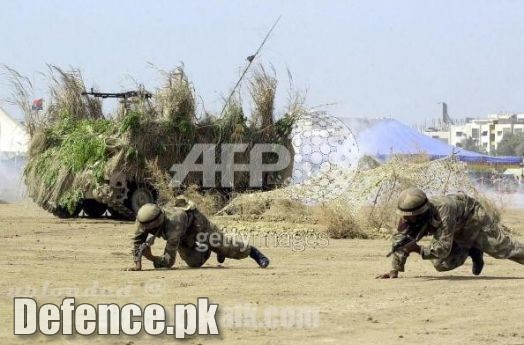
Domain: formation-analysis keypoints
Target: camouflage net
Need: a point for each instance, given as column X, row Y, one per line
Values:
column 366, row 204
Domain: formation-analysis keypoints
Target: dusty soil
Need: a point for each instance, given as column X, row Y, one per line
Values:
column 50, row 259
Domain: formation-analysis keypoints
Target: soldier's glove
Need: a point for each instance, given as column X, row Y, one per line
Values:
column 159, row 262
column 134, row 268
column 391, row 274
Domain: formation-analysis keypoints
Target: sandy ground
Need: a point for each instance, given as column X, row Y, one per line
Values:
column 50, row 259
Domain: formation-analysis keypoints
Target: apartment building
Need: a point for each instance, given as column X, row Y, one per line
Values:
column 485, row 132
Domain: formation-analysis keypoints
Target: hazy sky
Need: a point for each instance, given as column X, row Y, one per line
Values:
column 370, row 58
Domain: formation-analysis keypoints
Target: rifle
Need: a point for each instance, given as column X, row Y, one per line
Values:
column 410, row 236
column 143, row 246
column 125, row 95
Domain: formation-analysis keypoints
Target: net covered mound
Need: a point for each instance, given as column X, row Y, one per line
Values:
column 366, row 203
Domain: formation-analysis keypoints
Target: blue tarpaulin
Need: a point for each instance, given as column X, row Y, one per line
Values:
column 391, row 137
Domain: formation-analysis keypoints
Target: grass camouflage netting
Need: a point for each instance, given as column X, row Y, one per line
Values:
column 75, row 149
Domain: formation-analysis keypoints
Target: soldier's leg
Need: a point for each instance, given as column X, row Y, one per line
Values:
column 233, row 249
column 494, row 240
column 194, row 256
column 210, row 235
column 204, row 233
column 456, row 258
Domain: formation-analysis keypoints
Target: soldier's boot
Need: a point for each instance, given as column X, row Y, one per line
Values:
column 260, row 258
column 221, row 258
column 478, row 260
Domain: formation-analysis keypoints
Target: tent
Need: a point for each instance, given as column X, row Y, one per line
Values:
column 14, row 140
column 391, row 137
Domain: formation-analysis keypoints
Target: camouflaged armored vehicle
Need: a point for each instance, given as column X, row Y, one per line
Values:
column 81, row 160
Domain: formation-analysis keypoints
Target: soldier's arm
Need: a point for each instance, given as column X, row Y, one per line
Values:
column 442, row 241
column 139, row 237
column 399, row 258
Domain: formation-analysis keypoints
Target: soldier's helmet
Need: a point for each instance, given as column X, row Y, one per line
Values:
column 150, row 216
column 412, row 202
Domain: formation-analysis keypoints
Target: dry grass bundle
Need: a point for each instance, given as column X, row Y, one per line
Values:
column 262, row 88
column 176, row 99
column 296, row 100
column 340, row 223
column 21, row 95
column 66, row 97
column 208, row 202
column 367, row 163
column 160, row 179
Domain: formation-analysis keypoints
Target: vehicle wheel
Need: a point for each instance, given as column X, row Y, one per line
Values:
column 139, row 195
column 63, row 213
column 93, row 208
column 114, row 214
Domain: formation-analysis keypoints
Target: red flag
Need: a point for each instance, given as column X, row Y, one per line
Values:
column 38, row 104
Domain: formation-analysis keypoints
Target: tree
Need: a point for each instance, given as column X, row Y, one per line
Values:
column 471, row 145
column 511, row 145
column 519, row 150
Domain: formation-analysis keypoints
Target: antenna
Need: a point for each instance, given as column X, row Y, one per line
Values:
column 250, row 60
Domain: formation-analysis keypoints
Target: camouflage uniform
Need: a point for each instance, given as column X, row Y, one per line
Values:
column 180, row 228
column 459, row 222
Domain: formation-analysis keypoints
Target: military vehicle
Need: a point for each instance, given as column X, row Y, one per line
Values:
column 81, row 160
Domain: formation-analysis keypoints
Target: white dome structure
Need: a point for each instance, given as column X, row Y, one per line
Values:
column 326, row 157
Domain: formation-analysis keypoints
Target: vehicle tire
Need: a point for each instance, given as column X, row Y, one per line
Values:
column 63, row 213
column 93, row 208
column 140, row 194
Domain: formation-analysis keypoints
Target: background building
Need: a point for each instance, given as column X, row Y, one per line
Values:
column 486, row 133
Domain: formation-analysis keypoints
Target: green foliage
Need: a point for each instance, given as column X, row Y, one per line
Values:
column 185, row 127
column 161, row 148
column 284, row 126
column 232, row 127
column 79, row 145
column 262, row 88
column 44, row 168
column 180, row 130
column 70, row 200
column 84, row 147
column 131, row 153
column 131, row 121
